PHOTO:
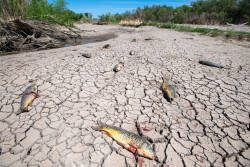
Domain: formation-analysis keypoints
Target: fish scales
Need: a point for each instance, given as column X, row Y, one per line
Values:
column 132, row 142
column 126, row 134
column 29, row 95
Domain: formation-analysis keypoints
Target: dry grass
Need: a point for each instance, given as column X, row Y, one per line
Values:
column 12, row 9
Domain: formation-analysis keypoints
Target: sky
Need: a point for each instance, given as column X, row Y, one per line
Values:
column 99, row 7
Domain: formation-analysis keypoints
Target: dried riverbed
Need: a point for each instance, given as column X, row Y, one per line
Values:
column 207, row 124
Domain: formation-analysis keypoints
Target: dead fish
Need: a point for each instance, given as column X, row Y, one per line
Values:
column 29, row 95
column 168, row 90
column 107, row 46
column 136, row 144
column 132, row 52
column 133, row 40
column 87, row 55
column 118, row 67
column 208, row 63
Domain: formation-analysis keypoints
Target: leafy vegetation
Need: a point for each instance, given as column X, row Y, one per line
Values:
column 55, row 12
column 212, row 32
column 199, row 12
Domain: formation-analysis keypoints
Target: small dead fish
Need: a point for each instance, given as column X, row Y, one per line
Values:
column 168, row 90
column 87, row 55
column 29, row 95
column 107, row 46
column 132, row 52
column 133, row 40
column 208, row 63
column 136, row 144
column 240, row 68
column 118, row 67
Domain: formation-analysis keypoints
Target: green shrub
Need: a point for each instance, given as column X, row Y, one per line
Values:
column 55, row 12
column 199, row 12
column 212, row 32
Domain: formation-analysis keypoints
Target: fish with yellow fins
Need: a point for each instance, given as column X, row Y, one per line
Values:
column 136, row 144
column 29, row 95
column 168, row 90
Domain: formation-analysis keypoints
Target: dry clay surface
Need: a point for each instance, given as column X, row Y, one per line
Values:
column 207, row 124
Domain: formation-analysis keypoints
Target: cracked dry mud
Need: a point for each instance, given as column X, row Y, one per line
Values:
column 207, row 124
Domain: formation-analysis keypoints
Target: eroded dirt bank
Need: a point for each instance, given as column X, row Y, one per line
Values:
column 207, row 124
column 19, row 36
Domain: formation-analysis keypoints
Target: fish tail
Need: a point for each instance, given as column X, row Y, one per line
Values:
column 164, row 84
column 99, row 126
column 100, row 123
column 164, row 79
column 19, row 111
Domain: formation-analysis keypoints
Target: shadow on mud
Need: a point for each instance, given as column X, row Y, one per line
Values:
column 90, row 39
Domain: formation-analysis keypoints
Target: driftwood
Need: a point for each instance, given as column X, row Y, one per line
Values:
column 19, row 35
column 243, row 24
column 64, row 25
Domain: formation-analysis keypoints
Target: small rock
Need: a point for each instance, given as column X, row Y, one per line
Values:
column 132, row 52
column 87, row 55
column 107, row 46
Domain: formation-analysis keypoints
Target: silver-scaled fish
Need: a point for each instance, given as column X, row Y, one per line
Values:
column 29, row 95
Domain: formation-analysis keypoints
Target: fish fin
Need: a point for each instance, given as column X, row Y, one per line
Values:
column 147, row 129
column 165, row 83
column 164, row 79
column 132, row 148
column 173, row 92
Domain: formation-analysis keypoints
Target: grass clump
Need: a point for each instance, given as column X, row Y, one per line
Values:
column 206, row 31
